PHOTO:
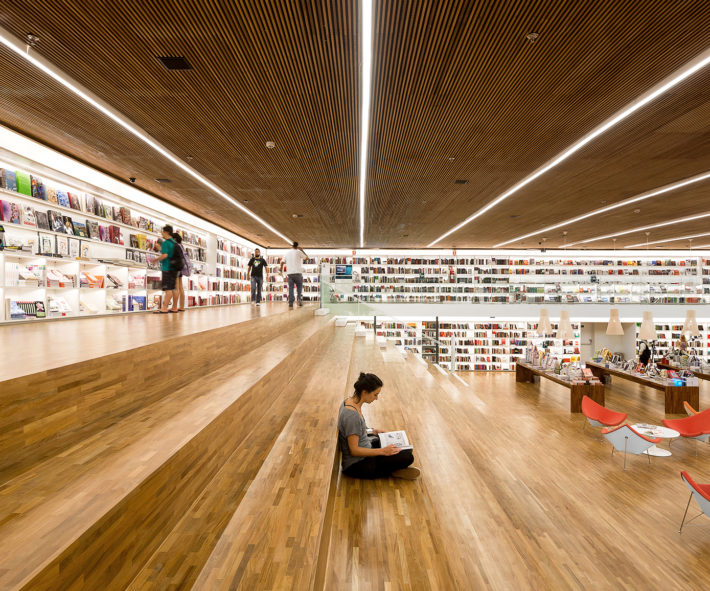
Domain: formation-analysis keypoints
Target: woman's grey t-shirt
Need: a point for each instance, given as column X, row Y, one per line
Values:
column 351, row 423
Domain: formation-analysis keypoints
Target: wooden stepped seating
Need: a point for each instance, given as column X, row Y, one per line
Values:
column 44, row 414
column 91, row 516
column 274, row 539
column 402, row 521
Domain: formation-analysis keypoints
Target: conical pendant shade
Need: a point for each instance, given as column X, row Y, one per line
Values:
column 614, row 327
column 648, row 329
column 690, row 325
column 543, row 325
column 564, row 331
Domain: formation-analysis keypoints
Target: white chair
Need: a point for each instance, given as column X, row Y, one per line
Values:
column 626, row 439
column 701, row 492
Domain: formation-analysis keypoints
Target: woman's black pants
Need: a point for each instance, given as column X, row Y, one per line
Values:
column 380, row 466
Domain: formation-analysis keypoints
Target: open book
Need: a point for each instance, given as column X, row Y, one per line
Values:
column 398, row 438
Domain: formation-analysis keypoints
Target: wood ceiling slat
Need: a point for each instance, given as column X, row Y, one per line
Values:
column 451, row 78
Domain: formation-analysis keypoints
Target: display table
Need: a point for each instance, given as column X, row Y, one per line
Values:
column 697, row 374
column 675, row 395
column 524, row 372
column 656, row 431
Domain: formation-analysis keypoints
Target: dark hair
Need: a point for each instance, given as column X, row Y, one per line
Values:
column 366, row 381
column 295, row 244
column 177, row 237
column 168, row 228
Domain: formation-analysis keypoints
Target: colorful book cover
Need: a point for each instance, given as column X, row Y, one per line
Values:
column 24, row 183
column 56, row 223
column 142, row 241
column 74, row 201
column 52, row 195
column 92, row 228
column 34, row 181
column 41, row 191
column 116, row 211
column 80, row 230
column 63, row 198
column 68, row 225
column 133, row 241
column 28, row 217
column 90, row 202
column 115, row 234
column 125, row 216
column 104, row 234
column 38, row 190
column 10, row 180
column 11, row 212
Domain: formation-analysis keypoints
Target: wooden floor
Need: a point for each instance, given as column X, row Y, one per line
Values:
column 27, row 348
column 227, row 481
column 513, row 495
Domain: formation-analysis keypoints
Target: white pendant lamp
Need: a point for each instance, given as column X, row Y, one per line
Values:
column 648, row 329
column 564, row 330
column 543, row 325
column 691, row 324
column 614, row 327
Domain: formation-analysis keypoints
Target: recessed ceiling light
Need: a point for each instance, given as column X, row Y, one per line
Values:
column 515, row 215
column 271, row 145
column 532, row 37
column 175, row 63
column 659, row 89
column 461, row 182
column 451, row 159
column 637, row 211
column 297, row 215
column 163, row 180
column 31, row 39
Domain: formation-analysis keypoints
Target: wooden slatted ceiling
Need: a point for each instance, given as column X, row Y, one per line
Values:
column 263, row 70
column 459, row 79
column 451, row 79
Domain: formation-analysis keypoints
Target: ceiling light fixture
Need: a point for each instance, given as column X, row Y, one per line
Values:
column 52, row 71
column 662, row 87
column 642, row 228
column 689, row 237
column 648, row 195
column 365, row 102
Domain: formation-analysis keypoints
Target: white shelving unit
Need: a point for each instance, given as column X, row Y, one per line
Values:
column 104, row 270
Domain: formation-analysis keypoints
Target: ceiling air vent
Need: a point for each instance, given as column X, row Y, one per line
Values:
column 461, row 182
column 175, row 63
column 162, row 180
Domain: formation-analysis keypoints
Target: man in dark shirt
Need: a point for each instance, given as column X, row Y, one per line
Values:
column 257, row 266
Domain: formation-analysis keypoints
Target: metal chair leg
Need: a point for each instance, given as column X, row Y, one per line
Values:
column 626, row 441
column 686, row 513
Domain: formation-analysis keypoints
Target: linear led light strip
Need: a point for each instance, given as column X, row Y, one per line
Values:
column 662, row 87
column 365, row 101
column 48, row 68
column 642, row 228
column 668, row 240
column 653, row 193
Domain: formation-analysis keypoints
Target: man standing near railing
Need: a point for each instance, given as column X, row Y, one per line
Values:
column 294, row 267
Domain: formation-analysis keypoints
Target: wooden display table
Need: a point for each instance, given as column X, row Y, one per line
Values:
column 675, row 395
column 524, row 372
column 697, row 374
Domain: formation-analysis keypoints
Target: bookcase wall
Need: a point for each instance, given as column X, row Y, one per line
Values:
column 69, row 253
column 474, row 345
column 669, row 334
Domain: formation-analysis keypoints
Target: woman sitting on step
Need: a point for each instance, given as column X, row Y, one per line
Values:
column 362, row 455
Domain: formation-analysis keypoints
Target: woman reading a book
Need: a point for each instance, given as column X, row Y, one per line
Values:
column 362, row 455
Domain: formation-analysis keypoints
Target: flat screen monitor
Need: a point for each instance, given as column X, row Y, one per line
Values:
column 343, row 271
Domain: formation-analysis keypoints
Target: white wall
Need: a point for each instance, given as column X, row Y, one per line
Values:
column 593, row 337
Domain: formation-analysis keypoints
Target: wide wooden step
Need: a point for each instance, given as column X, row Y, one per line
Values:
column 273, row 541
column 46, row 413
column 92, row 515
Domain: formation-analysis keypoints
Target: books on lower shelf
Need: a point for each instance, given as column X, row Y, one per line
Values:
column 58, row 306
column 22, row 310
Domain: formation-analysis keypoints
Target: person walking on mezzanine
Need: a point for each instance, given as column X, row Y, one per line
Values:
column 362, row 455
column 257, row 266
column 294, row 268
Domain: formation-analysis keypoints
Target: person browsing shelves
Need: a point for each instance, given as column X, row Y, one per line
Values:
column 257, row 266
column 169, row 275
column 294, row 268
column 362, row 455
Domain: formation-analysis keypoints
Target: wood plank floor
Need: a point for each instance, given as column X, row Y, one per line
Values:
column 513, row 494
column 28, row 348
